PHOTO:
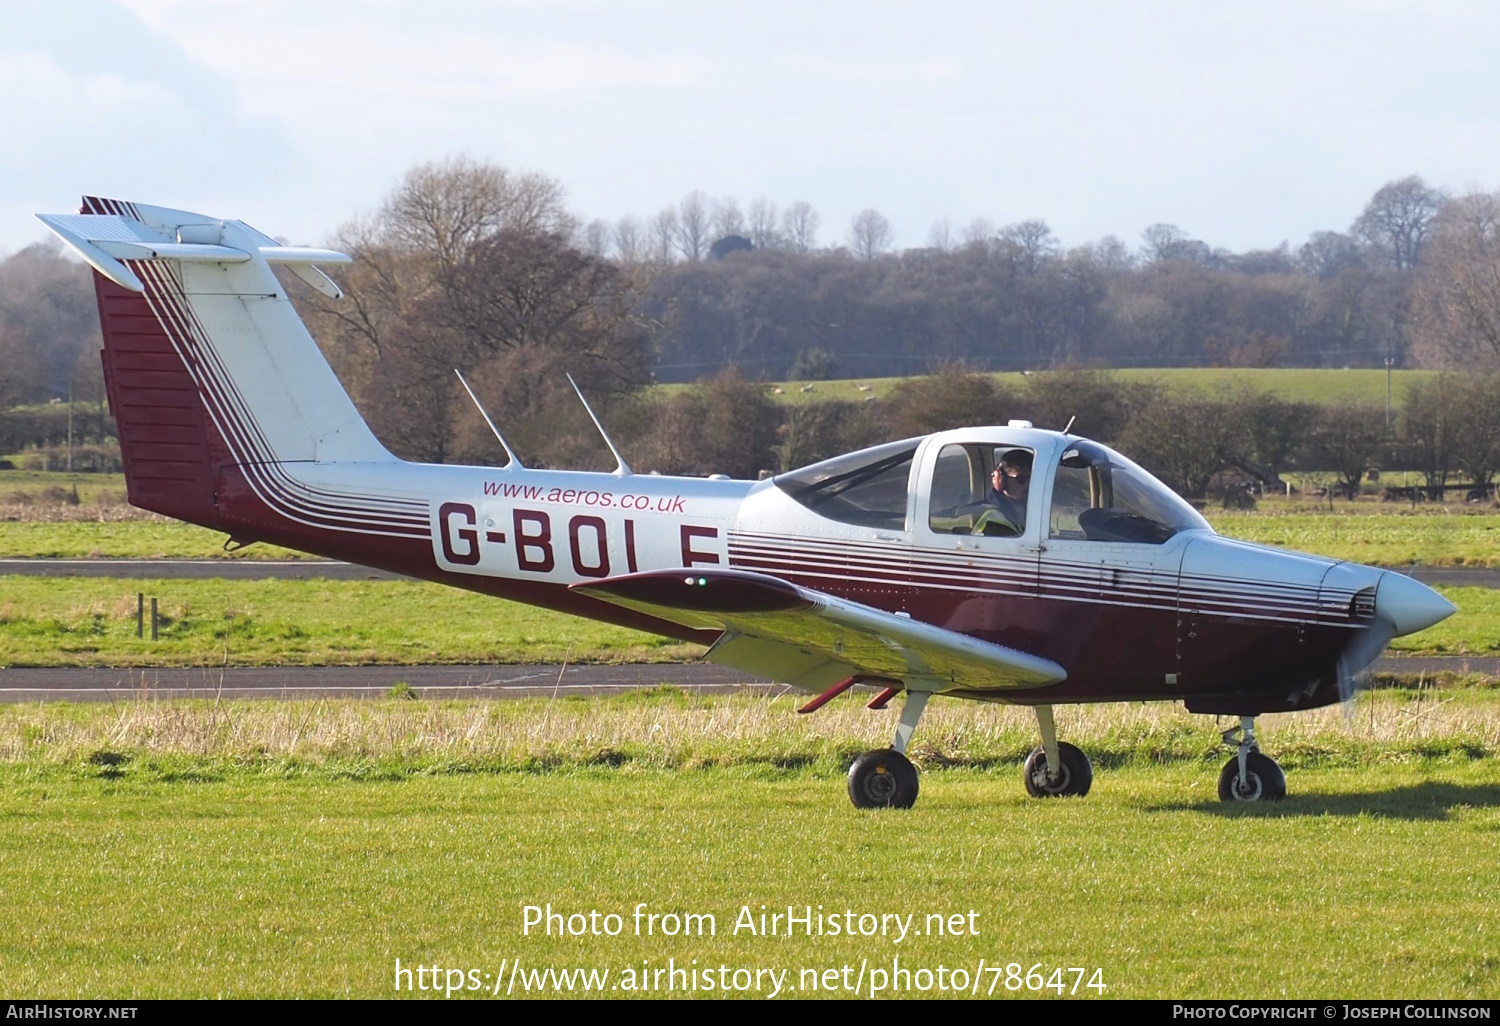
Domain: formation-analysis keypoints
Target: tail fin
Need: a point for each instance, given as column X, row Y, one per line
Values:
column 211, row 374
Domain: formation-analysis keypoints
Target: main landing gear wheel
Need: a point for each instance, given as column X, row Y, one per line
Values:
column 883, row 779
column 1074, row 776
column 1263, row 782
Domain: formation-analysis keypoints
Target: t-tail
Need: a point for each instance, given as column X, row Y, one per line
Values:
column 230, row 417
column 217, row 388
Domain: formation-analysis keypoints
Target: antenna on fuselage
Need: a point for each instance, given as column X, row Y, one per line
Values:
column 1070, row 423
column 623, row 468
column 515, row 461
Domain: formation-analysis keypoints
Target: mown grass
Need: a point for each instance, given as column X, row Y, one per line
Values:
column 92, row 622
column 299, row 849
column 1387, row 534
column 27, row 487
column 1377, row 534
column 1301, row 384
column 125, row 537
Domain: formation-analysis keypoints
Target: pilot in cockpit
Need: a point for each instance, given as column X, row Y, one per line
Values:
column 1009, row 485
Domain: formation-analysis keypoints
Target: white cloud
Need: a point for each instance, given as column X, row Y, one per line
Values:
column 1244, row 124
column 53, row 116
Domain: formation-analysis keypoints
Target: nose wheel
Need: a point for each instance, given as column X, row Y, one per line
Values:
column 885, row 778
column 1250, row 776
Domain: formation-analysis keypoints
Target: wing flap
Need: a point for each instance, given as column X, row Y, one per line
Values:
column 781, row 630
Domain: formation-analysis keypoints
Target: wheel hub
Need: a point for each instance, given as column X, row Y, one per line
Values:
column 880, row 785
column 1050, row 783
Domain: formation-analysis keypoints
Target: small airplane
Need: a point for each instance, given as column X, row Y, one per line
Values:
column 998, row 564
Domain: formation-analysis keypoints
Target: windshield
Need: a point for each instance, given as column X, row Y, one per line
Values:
column 1099, row 495
column 867, row 488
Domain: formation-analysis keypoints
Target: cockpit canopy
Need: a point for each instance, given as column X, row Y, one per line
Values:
column 986, row 487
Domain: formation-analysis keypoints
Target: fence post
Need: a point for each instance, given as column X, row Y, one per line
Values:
column 153, row 617
column 140, row 614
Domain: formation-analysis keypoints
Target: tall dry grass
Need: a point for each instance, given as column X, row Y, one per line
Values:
column 664, row 728
column 92, row 512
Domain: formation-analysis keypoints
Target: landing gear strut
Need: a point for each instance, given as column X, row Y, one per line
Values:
column 885, row 778
column 1057, row 768
column 1249, row 776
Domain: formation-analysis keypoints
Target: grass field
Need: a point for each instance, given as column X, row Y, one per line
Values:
column 300, row 849
column 157, row 538
column 1381, row 534
column 1368, row 531
column 25, row 487
column 92, row 622
column 1314, row 385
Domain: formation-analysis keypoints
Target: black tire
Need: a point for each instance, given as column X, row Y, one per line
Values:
column 883, row 779
column 1264, row 781
column 1074, row 778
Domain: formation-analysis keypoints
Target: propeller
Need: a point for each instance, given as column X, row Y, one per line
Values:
column 1357, row 657
column 1395, row 606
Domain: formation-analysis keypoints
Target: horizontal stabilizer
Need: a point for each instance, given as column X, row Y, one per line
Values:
column 106, row 240
column 812, row 639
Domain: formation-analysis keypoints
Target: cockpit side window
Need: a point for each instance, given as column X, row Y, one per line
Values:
column 980, row 489
column 1099, row 495
column 868, row 488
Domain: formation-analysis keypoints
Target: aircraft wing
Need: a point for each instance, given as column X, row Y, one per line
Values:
column 812, row 640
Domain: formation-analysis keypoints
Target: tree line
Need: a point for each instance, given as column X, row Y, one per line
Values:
column 471, row 266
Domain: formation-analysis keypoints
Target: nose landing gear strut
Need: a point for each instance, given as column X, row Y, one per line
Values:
column 1249, row 776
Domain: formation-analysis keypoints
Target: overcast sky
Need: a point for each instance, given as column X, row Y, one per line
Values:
column 1245, row 125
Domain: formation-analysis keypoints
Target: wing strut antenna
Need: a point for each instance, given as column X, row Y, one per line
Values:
column 515, row 461
column 623, row 468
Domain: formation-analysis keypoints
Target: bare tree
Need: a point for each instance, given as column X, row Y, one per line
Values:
column 763, row 231
column 1476, row 435
column 1458, row 293
column 1325, row 254
column 595, row 239
column 800, row 226
column 1162, row 242
column 1398, row 219
column 940, row 236
column 728, row 220
column 1428, row 421
column 1032, row 243
column 630, row 240
column 1348, row 441
column 693, row 226
column 978, row 232
column 664, row 234
column 1112, row 254
column 442, row 208
column 1186, row 460
column 869, row 234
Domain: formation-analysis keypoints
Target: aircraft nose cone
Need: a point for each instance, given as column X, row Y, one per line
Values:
column 1409, row 605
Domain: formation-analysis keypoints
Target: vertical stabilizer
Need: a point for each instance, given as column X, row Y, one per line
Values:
column 214, row 380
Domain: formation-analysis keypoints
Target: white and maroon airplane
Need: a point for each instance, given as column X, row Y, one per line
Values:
column 892, row 566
